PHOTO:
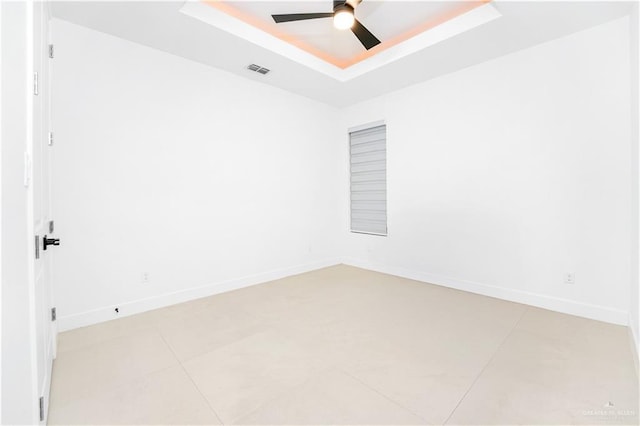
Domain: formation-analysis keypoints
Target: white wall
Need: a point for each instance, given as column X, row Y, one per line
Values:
column 634, row 33
column 505, row 175
column 193, row 175
column 501, row 177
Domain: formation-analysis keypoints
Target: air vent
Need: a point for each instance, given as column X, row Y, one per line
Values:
column 258, row 69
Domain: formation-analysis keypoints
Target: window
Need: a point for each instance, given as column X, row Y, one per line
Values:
column 368, row 152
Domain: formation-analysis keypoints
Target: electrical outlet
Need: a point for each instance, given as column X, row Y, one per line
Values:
column 569, row 278
column 144, row 278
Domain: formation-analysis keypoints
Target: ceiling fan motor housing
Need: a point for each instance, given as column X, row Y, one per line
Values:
column 343, row 7
column 352, row 3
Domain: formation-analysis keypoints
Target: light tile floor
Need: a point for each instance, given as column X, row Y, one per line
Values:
column 345, row 346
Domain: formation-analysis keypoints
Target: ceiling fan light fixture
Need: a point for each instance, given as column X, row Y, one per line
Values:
column 343, row 18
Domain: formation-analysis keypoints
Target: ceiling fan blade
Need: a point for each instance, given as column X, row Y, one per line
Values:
column 367, row 39
column 300, row 16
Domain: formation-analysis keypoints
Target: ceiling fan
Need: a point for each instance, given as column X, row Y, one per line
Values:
column 343, row 18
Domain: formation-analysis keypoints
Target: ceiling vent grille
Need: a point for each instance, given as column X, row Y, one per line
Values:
column 258, row 69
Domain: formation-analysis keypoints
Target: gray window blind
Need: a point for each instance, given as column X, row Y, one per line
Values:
column 368, row 149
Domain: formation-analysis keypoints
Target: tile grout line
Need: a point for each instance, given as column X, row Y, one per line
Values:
column 381, row 394
column 284, row 391
column 102, row 390
column 486, row 365
column 276, row 397
column 191, row 379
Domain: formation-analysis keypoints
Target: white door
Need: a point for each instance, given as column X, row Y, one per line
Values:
column 43, row 227
column 28, row 339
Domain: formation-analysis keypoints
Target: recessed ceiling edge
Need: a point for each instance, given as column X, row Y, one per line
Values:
column 216, row 17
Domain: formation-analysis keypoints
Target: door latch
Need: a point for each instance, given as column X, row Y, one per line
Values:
column 50, row 242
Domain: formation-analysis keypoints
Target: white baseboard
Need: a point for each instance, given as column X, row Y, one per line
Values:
column 600, row 313
column 106, row 313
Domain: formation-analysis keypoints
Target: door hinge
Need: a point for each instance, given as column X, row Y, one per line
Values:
column 53, row 314
column 51, row 50
column 37, row 247
column 50, row 139
column 51, row 227
column 35, row 83
column 41, row 402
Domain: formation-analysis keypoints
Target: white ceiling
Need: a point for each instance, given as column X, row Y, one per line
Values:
column 343, row 58
column 160, row 25
column 343, row 44
column 320, row 33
